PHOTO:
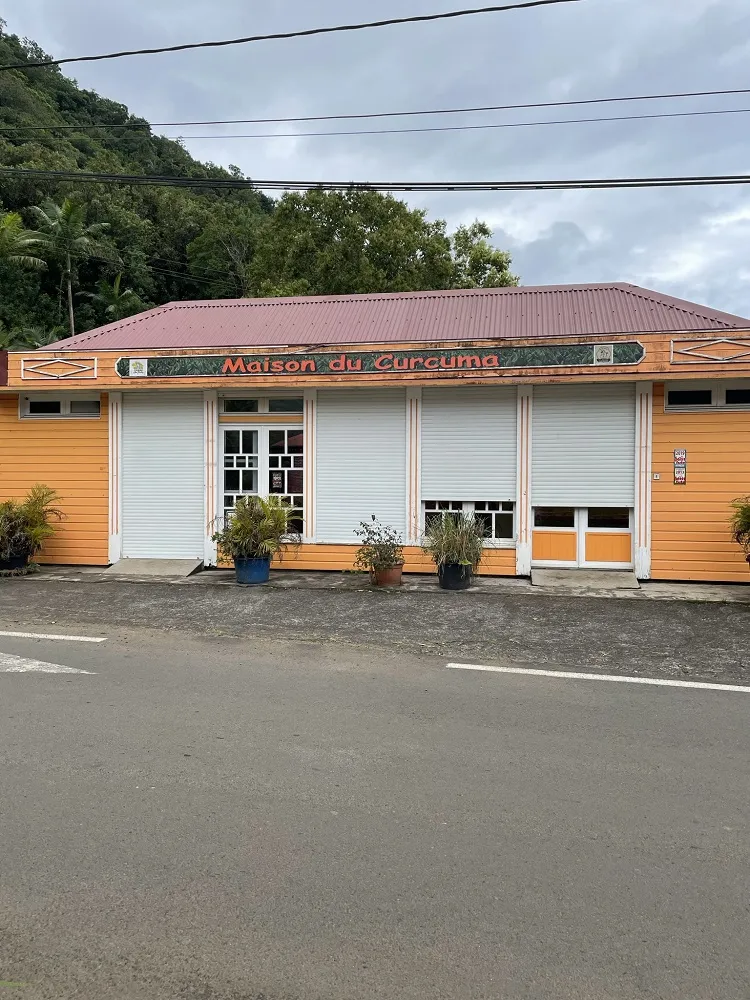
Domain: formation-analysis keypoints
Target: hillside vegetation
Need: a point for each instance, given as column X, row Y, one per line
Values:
column 85, row 254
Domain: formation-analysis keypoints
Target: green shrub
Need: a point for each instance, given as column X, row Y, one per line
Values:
column 26, row 524
column 455, row 539
column 257, row 528
column 381, row 547
column 740, row 522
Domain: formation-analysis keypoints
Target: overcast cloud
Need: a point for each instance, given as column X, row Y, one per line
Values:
column 691, row 243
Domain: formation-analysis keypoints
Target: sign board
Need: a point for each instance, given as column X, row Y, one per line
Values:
column 468, row 359
column 680, row 456
column 680, row 475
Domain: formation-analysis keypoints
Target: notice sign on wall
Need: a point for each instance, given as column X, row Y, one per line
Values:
column 680, row 466
column 477, row 359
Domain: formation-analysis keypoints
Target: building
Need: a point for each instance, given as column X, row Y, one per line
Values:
column 593, row 425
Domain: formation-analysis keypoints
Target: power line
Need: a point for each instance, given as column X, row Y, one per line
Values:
column 416, row 19
column 379, row 114
column 604, row 183
column 467, row 128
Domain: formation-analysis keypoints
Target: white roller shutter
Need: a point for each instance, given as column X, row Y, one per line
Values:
column 583, row 446
column 469, row 449
column 360, row 461
column 162, row 476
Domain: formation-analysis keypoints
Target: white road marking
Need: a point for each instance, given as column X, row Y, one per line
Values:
column 614, row 679
column 45, row 635
column 19, row 665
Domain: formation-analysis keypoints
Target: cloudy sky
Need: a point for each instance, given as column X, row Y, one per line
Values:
column 692, row 243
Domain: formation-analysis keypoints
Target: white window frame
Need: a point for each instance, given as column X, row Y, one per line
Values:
column 468, row 508
column 580, row 529
column 64, row 398
column 263, row 454
column 718, row 391
column 263, row 403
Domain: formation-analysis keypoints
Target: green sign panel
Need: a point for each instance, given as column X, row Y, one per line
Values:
column 470, row 359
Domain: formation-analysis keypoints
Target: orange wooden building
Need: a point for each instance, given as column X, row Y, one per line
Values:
column 587, row 426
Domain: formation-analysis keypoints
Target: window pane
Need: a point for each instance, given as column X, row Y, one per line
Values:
column 250, row 481
column 296, row 444
column 609, row 517
column 295, row 482
column 87, row 407
column 45, row 406
column 738, row 397
column 503, row 525
column 298, row 461
column 689, row 397
column 231, row 442
column 285, row 405
column 232, row 481
column 250, row 442
column 240, row 405
column 228, row 502
column 286, row 462
column 485, row 520
column 554, row 517
column 277, row 442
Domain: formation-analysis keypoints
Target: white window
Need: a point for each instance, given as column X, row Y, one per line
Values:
column 497, row 516
column 695, row 396
column 47, row 406
column 263, row 404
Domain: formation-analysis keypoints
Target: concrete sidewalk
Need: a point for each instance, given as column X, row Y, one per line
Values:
column 587, row 584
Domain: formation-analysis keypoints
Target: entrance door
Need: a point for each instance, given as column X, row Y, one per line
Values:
column 591, row 537
column 264, row 461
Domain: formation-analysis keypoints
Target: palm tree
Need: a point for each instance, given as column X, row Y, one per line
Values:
column 117, row 304
column 18, row 245
column 68, row 240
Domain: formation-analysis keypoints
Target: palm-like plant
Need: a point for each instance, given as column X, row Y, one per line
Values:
column 19, row 245
column 117, row 302
column 69, row 240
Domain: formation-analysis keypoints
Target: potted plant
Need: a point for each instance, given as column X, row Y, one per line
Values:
column 381, row 553
column 455, row 543
column 256, row 530
column 740, row 524
column 25, row 525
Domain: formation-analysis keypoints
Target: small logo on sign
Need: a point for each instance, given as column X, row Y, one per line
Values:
column 138, row 367
column 604, row 354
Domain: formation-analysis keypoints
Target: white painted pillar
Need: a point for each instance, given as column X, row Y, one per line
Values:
column 644, row 424
column 115, row 475
column 310, row 426
column 212, row 508
column 523, row 489
column 413, row 463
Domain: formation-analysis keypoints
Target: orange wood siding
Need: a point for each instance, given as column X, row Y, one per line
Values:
column 554, row 546
column 605, row 547
column 496, row 562
column 71, row 456
column 690, row 531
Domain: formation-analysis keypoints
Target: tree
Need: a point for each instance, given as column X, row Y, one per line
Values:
column 69, row 241
column 114, row 302
column 222, row 254
column 340, row 243
column 477, row 263
column 18, row 245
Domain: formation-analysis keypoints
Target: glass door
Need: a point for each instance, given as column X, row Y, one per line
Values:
column 265, row 461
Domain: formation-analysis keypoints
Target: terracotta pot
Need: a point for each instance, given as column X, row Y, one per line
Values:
column 390, row 577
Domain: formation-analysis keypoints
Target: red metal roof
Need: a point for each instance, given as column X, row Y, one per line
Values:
column 466, row 314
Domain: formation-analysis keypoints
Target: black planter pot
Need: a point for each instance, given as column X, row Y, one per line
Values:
column 15, row 562
column 454, row 576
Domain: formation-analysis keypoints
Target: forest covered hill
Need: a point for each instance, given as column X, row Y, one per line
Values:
column 113, row 250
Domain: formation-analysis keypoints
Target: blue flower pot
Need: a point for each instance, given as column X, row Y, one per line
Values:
column 252, row 571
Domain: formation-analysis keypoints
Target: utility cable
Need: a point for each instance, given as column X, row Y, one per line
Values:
column 376, row 114
column 233, row 183
column 276, row 36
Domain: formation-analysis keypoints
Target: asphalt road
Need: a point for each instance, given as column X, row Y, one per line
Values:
column 230, row 818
